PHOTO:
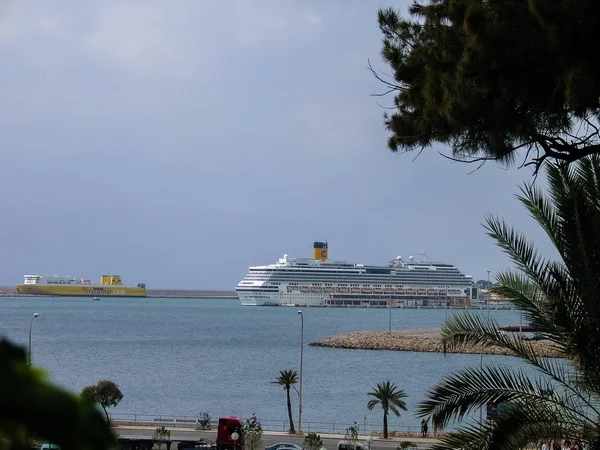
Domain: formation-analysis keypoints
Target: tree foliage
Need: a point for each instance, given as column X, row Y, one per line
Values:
column 484, row 284
column 313, row 441
column 161, row 435
column 494, row 77
column 106, row 393
column 32, row 407
column 561, row 299
column 203, row 421
column 252, row 432
column 287, row 379
column 390, row 398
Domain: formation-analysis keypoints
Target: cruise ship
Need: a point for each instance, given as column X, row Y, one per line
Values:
column 319, row 282
column 109, row 286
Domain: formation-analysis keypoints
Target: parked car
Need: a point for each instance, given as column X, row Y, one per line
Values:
column 202, row 444
column 283, row 446
column 352, row 445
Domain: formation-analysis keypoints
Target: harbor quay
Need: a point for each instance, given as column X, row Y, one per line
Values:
column 10, row 291
column 330, row 440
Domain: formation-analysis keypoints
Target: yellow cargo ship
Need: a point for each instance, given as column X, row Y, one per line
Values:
column 109, row 286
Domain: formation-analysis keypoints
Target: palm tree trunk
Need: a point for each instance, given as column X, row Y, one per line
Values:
column 385, row 430
column 105, row 412
column 289, row 405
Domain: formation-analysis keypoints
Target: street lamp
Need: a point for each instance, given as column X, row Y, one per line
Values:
column 446, row 305
column 301, row 358
column 234, row 437
column 488, row 296
column 369, row 440
column 35, row 316
column 390, row 320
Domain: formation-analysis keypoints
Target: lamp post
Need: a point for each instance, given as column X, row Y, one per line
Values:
column 488, row 296
column 390, row 320
column 446, row 305
column 301, row 360
column 35, row 316
column 234, row 437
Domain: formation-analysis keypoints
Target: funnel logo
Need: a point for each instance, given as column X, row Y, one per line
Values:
column 323, row 253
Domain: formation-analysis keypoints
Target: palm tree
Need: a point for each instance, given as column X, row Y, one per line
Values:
column 561, row 299
column 390, row 399
column 287, row 378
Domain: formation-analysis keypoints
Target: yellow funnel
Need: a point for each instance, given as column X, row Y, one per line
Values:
column 320, row 251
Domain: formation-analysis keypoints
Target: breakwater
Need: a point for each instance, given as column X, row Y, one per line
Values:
column 161, row 293
column 423, row 340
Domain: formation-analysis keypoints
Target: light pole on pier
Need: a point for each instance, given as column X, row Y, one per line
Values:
column 35, row 316
column 446, row 305
column 301, row 361
column 487, row 302
column 390, row 320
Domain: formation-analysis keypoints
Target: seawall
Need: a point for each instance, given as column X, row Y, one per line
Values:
column 417, row 341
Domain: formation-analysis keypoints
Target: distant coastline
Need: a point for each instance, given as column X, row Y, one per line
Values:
column 162, row 293
column 417, row 341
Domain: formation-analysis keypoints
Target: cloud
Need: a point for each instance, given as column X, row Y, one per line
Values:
column 21, row 21
column 150, row 38
column 141, row 37
column 189, row 38
column 53, row 26
column 313, row 18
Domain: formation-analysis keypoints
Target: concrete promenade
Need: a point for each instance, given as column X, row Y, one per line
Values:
column 270, row 437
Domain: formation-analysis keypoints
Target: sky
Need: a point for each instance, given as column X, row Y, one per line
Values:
column 176, row 143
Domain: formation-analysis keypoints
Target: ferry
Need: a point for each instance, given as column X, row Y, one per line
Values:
column 319, row 282
column 109, row 286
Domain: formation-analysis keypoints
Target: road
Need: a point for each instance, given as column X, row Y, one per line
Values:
column 271, row 437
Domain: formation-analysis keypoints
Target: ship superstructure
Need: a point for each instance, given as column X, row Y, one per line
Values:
column 320, row 282
column 109, row 285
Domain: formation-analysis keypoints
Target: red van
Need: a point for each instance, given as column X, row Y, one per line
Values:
column 228, row 426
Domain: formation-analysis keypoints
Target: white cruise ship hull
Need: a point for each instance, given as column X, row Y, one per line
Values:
column 276, row 299
column 318, row 282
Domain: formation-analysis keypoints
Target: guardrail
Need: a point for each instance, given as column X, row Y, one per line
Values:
column 267, row 424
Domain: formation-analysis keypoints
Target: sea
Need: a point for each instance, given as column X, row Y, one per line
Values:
column 180, row 357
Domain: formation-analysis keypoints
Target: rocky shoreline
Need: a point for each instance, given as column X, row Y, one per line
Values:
column 417, row 341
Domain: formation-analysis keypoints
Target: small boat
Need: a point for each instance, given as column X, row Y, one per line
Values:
column 96, row 298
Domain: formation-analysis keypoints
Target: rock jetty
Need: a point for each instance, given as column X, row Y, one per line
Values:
column 417, row 341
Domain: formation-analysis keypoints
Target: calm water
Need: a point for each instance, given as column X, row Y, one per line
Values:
column 182, row 356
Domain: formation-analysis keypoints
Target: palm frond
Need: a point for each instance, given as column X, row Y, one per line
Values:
column 522, row 252
column 464, row 329
column 542, row 210
column 286, row 378
column 561, row 299
column 471, row 389
column 518, row 425
column 531, row 300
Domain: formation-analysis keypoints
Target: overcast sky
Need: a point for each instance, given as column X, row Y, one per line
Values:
column 178, row 142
